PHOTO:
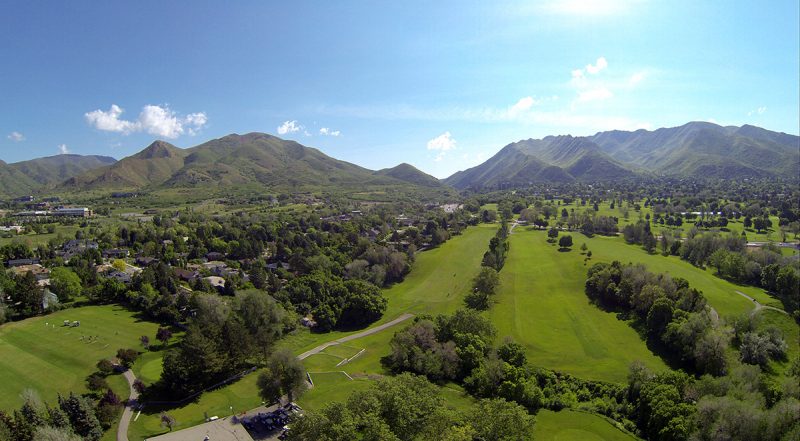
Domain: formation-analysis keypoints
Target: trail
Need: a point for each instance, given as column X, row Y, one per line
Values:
column 758, row 306
column 124, row 422
column 364, row 333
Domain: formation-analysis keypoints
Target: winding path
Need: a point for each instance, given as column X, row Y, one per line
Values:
column 759, row 306
column 127, row 414
column 124, row 422
column 358, row 335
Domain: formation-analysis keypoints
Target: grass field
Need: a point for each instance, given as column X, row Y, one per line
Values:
column 66, row 232
column 52, row 360
column 569, row 425
column 541, row 303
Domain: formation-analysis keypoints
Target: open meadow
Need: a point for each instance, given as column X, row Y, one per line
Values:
column 41, row 354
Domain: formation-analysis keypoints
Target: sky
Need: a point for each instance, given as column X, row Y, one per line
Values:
column 440, row 85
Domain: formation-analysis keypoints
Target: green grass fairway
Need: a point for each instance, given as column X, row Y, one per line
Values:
column 437, row 284
column 52, row 360
column 542, row 304
column 569, row 425
column 720, row 293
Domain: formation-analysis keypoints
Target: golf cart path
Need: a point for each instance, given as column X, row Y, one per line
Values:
column 759, row 306
column 127, row 413
column 350, row 337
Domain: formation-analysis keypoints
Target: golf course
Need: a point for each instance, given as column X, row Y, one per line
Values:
column 42, row 354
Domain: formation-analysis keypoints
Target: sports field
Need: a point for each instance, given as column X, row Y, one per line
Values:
column 42, row 354
column 541, row 303
column 568, row 425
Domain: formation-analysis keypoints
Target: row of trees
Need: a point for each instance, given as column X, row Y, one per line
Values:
column 74, row 418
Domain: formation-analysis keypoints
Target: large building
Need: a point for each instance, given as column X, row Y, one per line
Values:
column 73, row 212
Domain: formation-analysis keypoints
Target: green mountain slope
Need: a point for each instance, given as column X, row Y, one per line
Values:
column 552, row 159
column 31, row 176
column 253, row 160
column 701, row 148
column 409, row 173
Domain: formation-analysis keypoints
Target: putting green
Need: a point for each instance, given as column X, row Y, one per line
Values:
column 34, row 354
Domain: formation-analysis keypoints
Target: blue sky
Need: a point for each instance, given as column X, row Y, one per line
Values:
column 440, row 85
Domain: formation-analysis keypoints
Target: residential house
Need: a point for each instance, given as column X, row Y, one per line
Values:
column 116, row 253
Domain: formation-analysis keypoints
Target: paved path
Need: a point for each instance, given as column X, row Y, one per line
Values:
column 759, row 306
column 364, row 333
column 124, row 422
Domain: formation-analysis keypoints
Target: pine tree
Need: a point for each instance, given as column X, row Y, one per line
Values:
column 81, row 416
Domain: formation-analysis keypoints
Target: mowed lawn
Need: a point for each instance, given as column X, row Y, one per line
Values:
column 568, row 425
column 35, row 355
column 541, row 303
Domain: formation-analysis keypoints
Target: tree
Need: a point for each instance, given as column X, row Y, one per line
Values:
column 105, row 366
column 552, row 233
column 163, row 335
column 65, row 284
column 498, row 419
column 127, row 356
column 48, row 433
column 584, row 247
column 484, row 286
column 145, row 340
column 284, row 375
column 81, row 415
column 167, row 420
column 565, row 241
column 96, row 382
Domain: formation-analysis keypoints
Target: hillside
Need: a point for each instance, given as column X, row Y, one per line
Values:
column 41, row 173
column 701, row 148
column 552, row 159
column 254, row 160
column 694, row 149
column 409, row 173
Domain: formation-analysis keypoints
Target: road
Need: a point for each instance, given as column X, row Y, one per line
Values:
column 759, row 306
column 127, row 414
column 124, row 422
column 350, row 337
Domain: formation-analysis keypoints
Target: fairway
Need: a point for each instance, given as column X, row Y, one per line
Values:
column 568, row 425
column 437, row 284
column 52, row 360
column 720, row 293
column 541, row 303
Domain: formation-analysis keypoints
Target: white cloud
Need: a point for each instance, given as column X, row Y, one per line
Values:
column 329, row 132
column 443, row 142
column 523, row 105
column 155, row 120
column 62, row 148
column 109, row 121
column 289, row 127
column 598, row 66
column 16, row 137
column 759, row 111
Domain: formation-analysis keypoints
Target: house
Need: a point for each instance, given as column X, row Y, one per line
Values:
column 308, row 322
column 80, row 244
column 38, row 271
column 73, row 212
column 215, row 281
column 214, row 256
column 21, row 262
column 116, row 253
column 120, row 276
column 16, row 228
column 145, row 261
column 186, row 274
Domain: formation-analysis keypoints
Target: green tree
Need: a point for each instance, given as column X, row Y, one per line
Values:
column 81, row 415
column 65, row 283
column 565, row 242
column 284, row 375
column 498, row 419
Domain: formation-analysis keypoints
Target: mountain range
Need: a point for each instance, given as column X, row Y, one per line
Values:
column 698, row 149
column 266, row 161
